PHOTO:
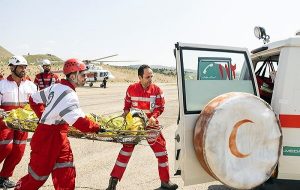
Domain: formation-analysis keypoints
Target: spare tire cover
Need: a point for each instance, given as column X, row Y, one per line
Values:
column 237, row 140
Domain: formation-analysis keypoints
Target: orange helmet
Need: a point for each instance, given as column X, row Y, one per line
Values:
column 73, row 65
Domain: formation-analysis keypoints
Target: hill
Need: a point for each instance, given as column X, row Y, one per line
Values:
column 4, row 54
column 169, row 72
column 34, row 59
column 129, row 74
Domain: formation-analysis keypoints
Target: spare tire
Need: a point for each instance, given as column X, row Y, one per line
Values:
column 237, row 140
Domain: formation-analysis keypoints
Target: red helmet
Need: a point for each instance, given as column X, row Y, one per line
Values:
column 73, row 65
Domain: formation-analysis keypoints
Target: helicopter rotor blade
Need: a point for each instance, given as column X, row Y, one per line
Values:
column 116, row 61
column 105, row 57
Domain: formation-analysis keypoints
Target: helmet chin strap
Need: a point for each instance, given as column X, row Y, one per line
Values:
column 14, row 71
column 76, row 79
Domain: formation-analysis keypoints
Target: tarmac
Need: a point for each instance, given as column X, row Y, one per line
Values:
column 94, row 160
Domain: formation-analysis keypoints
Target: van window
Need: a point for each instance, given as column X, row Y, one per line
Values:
column 265, row 71
column 209, row 73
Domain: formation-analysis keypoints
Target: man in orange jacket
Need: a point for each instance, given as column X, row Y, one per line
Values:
column 148, row 97
column 57, row 108
column 14, row 93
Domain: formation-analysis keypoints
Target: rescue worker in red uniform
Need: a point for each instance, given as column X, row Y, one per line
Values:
column 57, row 108
column 45, row 78
column 148, row 97
column 14, row 93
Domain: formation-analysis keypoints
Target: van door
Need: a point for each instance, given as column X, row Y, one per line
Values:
column 204, row 72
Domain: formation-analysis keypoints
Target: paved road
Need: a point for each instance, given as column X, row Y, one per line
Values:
column 94, row 159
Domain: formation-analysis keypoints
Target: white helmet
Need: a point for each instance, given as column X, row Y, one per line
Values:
column 46, row 62
column 17, row 60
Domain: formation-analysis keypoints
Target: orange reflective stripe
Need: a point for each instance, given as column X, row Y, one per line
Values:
column 289, row 121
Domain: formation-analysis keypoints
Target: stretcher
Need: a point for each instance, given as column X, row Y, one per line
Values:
column 112, row 129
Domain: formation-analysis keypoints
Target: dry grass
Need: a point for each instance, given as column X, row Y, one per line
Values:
column 4, row 54
column 129, row 75
column 122, row 74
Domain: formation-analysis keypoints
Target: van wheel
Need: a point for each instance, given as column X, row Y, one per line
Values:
column 91, row 84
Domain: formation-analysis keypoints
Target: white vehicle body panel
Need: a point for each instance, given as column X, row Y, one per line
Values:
column 285, row 102
column 186, row 160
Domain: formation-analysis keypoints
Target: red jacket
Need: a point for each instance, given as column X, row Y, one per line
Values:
column 150, row 100
column 43, row 80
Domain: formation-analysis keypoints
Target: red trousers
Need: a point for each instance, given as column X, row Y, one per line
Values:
column 160, row 151
column 50, row 154
column 12, row 147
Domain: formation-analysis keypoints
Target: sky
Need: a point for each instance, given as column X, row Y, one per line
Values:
column 144, row 30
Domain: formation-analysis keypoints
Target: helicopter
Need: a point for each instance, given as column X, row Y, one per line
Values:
column 95, row 72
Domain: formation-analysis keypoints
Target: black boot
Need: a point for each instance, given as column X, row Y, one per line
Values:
column 113, row 181
column 168, row 185
column 6, row 183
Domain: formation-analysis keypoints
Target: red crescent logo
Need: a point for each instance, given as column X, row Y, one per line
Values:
column 232, row 139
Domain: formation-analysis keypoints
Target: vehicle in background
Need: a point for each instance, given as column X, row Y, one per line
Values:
column 95, row 72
